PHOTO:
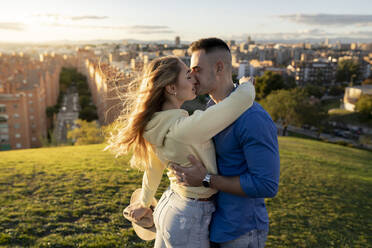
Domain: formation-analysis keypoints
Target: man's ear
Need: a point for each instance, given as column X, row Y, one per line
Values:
column 219, row 66
column 170, row 89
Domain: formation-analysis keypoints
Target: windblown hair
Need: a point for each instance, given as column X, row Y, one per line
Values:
column 144, row 97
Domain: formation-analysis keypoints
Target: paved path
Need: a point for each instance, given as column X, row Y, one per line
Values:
column 68, row 113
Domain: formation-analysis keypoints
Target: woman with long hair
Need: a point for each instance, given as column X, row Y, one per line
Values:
column 157, row 131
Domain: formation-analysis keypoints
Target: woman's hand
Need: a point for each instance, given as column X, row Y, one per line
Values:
column 247, row 79
column 137, row 211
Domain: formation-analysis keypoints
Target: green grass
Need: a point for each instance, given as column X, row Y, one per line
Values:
column 74, row 196
column 330, row 104
column 299, row 135
column 347, row 117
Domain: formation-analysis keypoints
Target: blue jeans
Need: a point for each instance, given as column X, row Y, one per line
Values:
column 182, row 222
column 252, row 239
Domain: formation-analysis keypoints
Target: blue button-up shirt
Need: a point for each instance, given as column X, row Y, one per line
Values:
column 247, row 148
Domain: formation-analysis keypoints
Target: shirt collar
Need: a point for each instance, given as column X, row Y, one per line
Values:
column 211, row 102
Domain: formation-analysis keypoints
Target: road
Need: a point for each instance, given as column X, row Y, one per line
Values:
column 68, row 113
column 314, row 134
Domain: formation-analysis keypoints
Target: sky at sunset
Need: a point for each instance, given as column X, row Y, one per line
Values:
column 39, row 20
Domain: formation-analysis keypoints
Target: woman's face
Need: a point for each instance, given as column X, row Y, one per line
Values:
column 185, row 86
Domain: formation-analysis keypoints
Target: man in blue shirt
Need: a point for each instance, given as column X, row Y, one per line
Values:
column 247, row 156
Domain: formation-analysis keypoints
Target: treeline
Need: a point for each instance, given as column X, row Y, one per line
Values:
column 71, row 78
column 290, row 104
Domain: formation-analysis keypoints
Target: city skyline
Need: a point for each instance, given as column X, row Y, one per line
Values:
column 43, row 21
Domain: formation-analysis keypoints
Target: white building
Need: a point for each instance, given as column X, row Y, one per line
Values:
column 352, row 95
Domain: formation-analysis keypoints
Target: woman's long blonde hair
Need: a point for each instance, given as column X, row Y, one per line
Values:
column 144, row 97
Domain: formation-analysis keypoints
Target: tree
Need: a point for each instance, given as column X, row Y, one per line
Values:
column 84, row 101
column 50, row 111
column 85, row 133
column 290, row 82
column 267, row 83
column 88, row 113
column 347, row 70
column 69, row 77
column 336, row 90
column 293, row 107
column 314, row 90
column 314, row 115
column 364, row 106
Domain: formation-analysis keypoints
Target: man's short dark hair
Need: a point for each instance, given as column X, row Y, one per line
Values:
column 209, row 45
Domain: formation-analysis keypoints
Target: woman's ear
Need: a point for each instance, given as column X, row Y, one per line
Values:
column 170, row 89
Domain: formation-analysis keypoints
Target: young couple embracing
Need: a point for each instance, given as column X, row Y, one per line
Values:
column 222, row 162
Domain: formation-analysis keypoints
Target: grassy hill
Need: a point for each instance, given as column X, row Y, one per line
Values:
column 74, row 196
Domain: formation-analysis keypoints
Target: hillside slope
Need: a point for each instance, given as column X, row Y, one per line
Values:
column 74, row 196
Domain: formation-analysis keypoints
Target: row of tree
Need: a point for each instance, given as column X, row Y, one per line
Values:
column 70, row 77
column 71, row 80
column 348, row 70
column 294, row 107
column 291, row 105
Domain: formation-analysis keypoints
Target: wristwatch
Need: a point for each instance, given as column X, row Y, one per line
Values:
column 207, row 180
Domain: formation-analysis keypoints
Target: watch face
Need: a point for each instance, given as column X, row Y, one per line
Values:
column 206, row 184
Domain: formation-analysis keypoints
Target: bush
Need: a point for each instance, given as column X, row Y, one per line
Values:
column 50, row 111
column 347, row 70
column 267, row 83
column 364, row 106
column 336, row 90
column 88, row 113
column 86, row 133
column 84, row 101
column 293, row 107
column 314, row 90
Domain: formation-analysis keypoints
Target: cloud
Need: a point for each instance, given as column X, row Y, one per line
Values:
column 16, row 26
column 329, row 19
column 136, row 29
column 59, row 21
column 305, row 34
column 72, row 18
column 360, row 34
column 78, row 18
column 312, row 32
column 56, row 16
column 152, row 31
column 150, row 27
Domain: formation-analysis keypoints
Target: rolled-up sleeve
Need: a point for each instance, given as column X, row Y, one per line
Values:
column 151, row 179
column 258, row 138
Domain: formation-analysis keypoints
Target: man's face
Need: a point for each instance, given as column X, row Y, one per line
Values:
column 202, row 69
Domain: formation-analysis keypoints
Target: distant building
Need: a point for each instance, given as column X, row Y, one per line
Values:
column 354, row 46
column 177, row 41
column 27, row 87
column 250, row 41
column 319, row 71
column 243, row 69
column 14, row 122
column 366, row 47
column 231, row 43
column 326, row 42
column 257, row 68
column 108, row 81
column 342, row 46
column 352, row 95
